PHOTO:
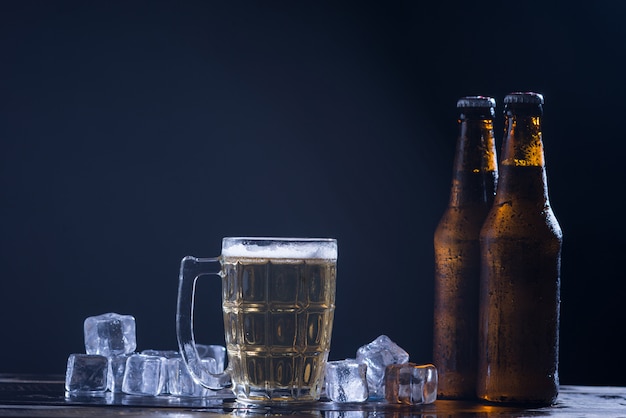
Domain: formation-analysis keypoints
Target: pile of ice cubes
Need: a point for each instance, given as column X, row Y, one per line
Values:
column 381, row 371
column 110, row 363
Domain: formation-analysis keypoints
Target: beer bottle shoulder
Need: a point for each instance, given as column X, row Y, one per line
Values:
column 461, row 223
column 521, row 219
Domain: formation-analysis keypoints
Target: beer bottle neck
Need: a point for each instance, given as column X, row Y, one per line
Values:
column 523, row 145
column 522, row 168
column 475, row 164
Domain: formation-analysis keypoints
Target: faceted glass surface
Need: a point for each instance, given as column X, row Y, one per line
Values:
column 278, row 319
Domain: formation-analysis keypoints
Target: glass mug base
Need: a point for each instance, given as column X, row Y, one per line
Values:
column 261, row 396
column 291, row 378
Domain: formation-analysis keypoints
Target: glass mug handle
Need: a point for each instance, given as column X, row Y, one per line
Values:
column 190, row 269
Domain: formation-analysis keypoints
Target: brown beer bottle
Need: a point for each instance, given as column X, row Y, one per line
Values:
column 457, row 250
column 520, row 272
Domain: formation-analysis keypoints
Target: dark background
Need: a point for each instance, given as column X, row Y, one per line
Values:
column 134, row 133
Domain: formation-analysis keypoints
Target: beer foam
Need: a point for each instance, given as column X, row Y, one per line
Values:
column 280, row 248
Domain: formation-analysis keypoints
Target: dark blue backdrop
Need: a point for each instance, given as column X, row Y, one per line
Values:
column 135, row 133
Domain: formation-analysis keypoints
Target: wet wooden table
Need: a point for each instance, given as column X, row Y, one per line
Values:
column 44, row 396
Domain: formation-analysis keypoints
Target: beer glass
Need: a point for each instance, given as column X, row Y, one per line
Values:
column 278, row 301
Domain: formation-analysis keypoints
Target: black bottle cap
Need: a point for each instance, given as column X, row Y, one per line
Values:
column 476, row 101
column 524, row 98
column 523, row 104
column 481, row 107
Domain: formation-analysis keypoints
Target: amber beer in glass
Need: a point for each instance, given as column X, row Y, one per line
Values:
column 278, row 300
column 520, row 269
column 457, row 249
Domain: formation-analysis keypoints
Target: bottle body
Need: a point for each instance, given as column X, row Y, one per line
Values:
column 520, row 244
column 457, row 255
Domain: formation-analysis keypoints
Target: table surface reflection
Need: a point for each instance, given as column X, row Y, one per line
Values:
column 44, row 396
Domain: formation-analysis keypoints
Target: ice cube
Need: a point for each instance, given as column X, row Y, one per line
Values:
column 179, row 379
column 166, row 354
column 182, row 384
column 144, row 375
column 117, row 365
column 411, row 383
column 352, row 414
column 218, row 352
column 110, row 334
column 86, row 373
column 161, row 353
column 346, row 381
column 377, row 355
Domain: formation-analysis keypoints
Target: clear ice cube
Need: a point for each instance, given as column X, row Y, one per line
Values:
column 377, row 355
column 179, row 380
column 166, row 354
column 110, row 334
column 161, row 353
column 182, row 384
column 117, row 365
column 353, row 414
column 411, row 383
column 346, row 381
column 144, row 375
column 218, row 352
column 86, row 373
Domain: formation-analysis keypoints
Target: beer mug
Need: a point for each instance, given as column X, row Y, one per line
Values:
column 278, row 301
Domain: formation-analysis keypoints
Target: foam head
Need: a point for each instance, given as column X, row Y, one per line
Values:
column 318, row 248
